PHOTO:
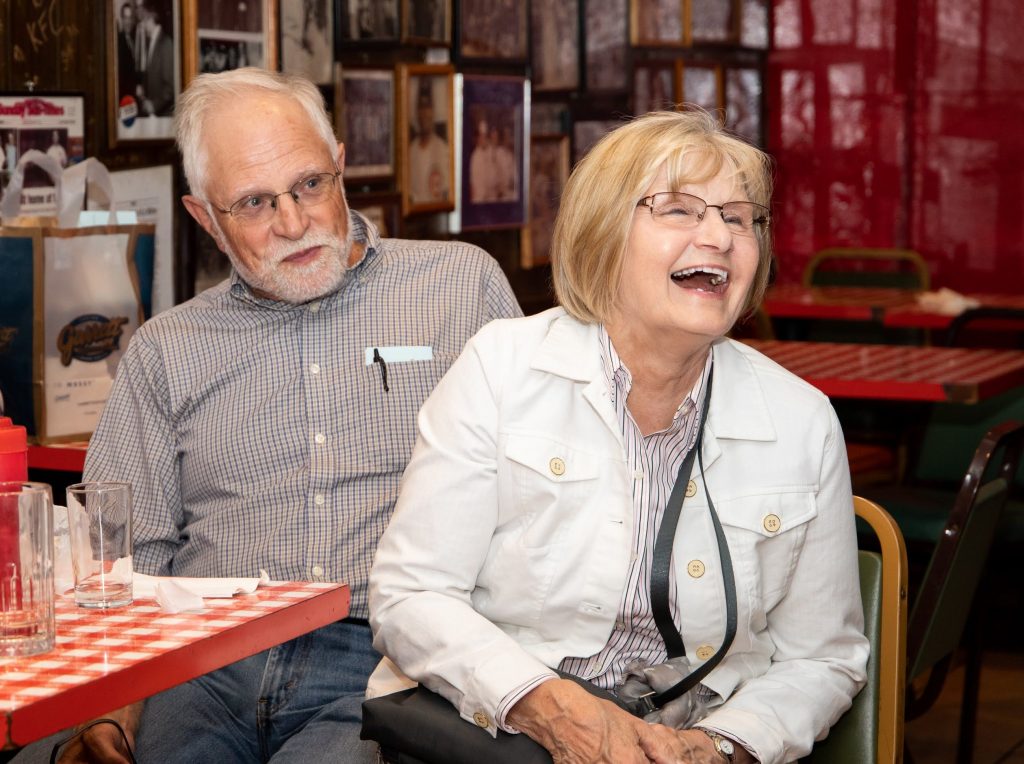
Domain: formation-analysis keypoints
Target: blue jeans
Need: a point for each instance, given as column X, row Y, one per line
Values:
column 300, row 701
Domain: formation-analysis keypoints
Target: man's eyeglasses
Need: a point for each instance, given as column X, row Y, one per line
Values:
column 260, row 208
column 680, row 210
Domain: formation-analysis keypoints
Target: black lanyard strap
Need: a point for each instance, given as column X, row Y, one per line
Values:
column 661, row 567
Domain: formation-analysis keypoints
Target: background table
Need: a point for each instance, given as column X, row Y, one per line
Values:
column 66, row 457
column 899, row 372
column 107, row 659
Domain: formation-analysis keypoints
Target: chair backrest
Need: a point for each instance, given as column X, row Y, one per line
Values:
column 985, row 317
column 867, row 267
column 947, row 589
column 872, row 729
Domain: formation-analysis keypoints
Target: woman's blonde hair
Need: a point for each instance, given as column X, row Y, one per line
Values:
column 592, row 228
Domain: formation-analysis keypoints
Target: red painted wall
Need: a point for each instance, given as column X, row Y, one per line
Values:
column 900, row 123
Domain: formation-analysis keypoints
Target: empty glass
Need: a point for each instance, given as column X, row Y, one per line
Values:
column 26, row 568
column 100, row 525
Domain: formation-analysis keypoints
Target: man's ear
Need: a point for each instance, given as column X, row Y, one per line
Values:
column 341, row 157
column 197, row 209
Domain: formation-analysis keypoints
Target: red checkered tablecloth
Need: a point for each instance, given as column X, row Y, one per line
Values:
column 105, row 659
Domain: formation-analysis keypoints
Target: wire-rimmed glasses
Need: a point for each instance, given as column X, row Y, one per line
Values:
column 260, row 208
column 681, row 210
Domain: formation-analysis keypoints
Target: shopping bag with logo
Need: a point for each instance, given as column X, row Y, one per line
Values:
column 71, row 298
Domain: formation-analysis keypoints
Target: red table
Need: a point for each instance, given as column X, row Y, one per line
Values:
column 899, row 372
column 913, row 316
column 836, row 302
column 107, row 659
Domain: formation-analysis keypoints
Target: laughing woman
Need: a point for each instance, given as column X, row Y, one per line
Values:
column 539, row 533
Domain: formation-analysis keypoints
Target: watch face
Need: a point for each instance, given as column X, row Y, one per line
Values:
column 725, row 746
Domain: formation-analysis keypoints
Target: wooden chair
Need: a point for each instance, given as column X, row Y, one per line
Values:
column 872, row 729
column 867, row 267
column 961, row 542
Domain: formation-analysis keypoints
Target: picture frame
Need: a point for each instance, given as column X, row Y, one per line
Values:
column 549, row 172
column 493, row 144
column 307, row 39
column 755, row 20
column 555, row 58
column 51, row 122
column 368, row 21
column 493, row 30
column 218, row 37
column 712, row 22
column 382, row 209
column 655, row 87
column 143, row 70
column 587, row 132
column 743, row 91
column 365, row 120
column 549, row 117
column 657, row 22
column 426, row 137
column 701, row 84
column 427, row 22
column 606, row 45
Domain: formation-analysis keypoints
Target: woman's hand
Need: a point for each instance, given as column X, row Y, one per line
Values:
column 579, row 728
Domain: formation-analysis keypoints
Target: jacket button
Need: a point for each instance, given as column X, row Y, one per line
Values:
column 481, row 719
column 691, row 489
column 695, row 568
column 704, row 652
column 772, row 523
column 557, row 466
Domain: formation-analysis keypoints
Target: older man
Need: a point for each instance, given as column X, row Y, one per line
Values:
column 266, row 423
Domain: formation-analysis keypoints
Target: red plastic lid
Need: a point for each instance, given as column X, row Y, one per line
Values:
column 12, row 437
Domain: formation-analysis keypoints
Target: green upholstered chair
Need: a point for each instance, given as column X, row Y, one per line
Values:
column 872, row 729
column 867, row 267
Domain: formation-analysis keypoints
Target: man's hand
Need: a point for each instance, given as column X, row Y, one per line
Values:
column 578, row 728
column 103, row 744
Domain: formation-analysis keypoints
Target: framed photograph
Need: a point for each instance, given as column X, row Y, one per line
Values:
column 549, row 171
column 307, row 39
column 713, row 21
column 556, row 45
column 144, row 70
column 53, row 123
column 368, row 20
column 701, row 84
column 549, row 118
column 427, row 22
column 380, row 209
column 655, row 87
column 365, row 120
column 754, row 21
column 426, row 116
column 587, row 132
column 493, row 152
column 657, row 22
column 227, row 35
column 494, row 30
column 606, row 45
column 743, row 103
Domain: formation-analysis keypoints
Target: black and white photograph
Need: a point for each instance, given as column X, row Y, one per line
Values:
column 366, row 116
column 426, row 121
column 221, row 54
column 657, row 22
column 556, row 48
column 549, row 171
column 427, row 22
column 369, row 20
column 493, row 30
column 144, row 69
column 307, row 39
column 493, row 131
column 606, row 45
column 223, row 36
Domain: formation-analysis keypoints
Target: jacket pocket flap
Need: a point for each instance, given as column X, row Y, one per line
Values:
column 768, row 514
column 552, row 459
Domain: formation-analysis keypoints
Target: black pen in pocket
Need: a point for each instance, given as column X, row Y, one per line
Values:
column 378, row 358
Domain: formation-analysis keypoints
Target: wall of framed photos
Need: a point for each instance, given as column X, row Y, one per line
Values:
column 461, row 118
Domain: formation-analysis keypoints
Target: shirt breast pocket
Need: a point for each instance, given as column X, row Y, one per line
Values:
column 766, row 534
column 551, row 484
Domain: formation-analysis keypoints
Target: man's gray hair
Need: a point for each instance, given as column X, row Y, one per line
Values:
column 208, row 91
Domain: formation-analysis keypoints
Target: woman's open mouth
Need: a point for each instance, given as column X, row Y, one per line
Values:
column 702, row 278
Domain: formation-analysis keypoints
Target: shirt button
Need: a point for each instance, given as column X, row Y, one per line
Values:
column 319, row 499
column 772, row 523
column 319, row 438
column 638, row 475
column 704, row 652
column 314, row 368
column 557, row 466
column 691, row 489
column 695, row 568
column 481, row 719
column 314, row 307
column 318, row 570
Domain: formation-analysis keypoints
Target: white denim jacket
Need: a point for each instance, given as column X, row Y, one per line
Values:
column 500, row 561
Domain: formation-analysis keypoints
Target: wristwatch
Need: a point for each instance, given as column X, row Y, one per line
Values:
column 723, row 745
